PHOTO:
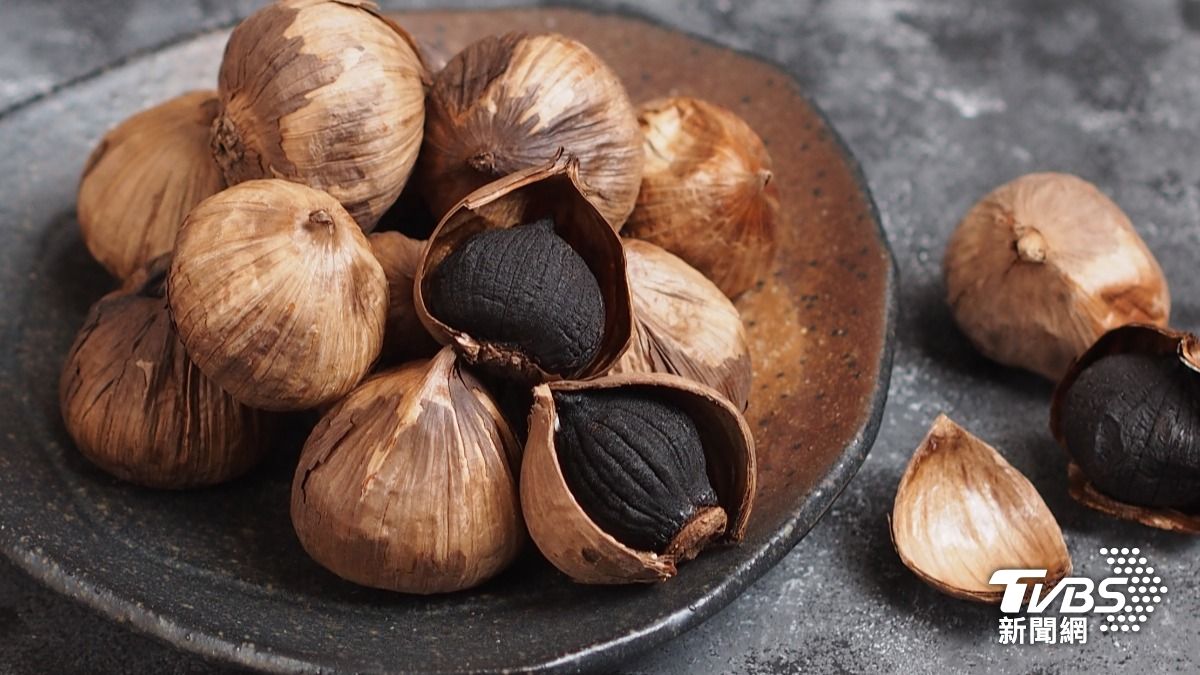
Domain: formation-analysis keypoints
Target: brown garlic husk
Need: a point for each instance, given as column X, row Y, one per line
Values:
column 409, row 483
column 962, row 512
column 1126, row 415
column 137, row 406
column 277, row 296
column 707, row 191
column 1043, row 266
column 551, row 191
column 404, row 336
column 512, row 102
column 683, row 324
column 328, row 93
column 573, row 542
column 143, row 178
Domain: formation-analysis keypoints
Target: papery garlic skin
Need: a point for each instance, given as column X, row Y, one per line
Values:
column 962, row 512
column 277, row 296
column 707, row 191
column 327, row 93
column 1043, row 266
column 143, row 178
column 405, row 336
column 684, row 325
column 408, row 483
column 137, row 406
column 512, row 102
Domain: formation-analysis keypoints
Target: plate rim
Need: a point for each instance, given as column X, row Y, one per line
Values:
column 595, row 656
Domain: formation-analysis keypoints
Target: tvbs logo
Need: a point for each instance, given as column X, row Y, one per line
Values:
column 1125, row 599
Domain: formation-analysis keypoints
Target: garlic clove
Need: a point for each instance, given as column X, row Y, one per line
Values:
column 408, row 484
column 707, row 191
column 136, row 405
column 512, row 102
column 1126, row 415
column 550, row 192
column 328, row 93
column 1042, row 266
column 558, row 518
column 277, row 296
column 143, row 178
column 962, row 512
column 404, row 336
column 684, row 325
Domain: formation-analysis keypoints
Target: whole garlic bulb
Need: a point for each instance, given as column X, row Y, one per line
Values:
column 137, row 406
column 1043, row 266
column 513, row 102
column 408, row 484
column 707, row 191
column 143, row 178
column 323, row 92
column 684, row 325
column 277, row 295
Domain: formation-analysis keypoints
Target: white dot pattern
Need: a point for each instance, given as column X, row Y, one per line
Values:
column 1145, row 591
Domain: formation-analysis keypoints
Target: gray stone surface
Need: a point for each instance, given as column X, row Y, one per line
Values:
column 941, row 100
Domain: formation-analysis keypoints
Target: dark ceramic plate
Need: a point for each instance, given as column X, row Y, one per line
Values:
column 219, row 571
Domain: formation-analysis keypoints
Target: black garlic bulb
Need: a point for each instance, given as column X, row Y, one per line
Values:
column 1132, row 422
column 635, row 464
column 526, row 288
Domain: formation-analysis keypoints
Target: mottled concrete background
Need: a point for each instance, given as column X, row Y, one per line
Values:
column 941, row 100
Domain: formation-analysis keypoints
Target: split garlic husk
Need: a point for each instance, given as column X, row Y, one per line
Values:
column 409, row 484
column 1126, row 415
column 962, row 512
column 558, row 516
column 683, row 324
column 548, row 195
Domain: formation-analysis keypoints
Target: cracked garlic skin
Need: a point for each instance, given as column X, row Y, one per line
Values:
column 962, row 512
column 1132, row 424
column 707, row 191
column 407, row 484
column 511, row 102
column 626, row 476
column 1043, row 266
column 636, row 466
column 277, row 296
column 143, row 178
column 327, row 93
column 524, row 287
column 684, row 325
column 137, row 407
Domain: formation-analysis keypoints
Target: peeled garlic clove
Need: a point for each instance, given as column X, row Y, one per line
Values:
column 611, row 487
column 1043, row 266
column 138, row 408
column 512, row 102
column 707, row 191
column 143, row 178
column 523, row 303
column 276, row 294
column 327, row 93
column 684, row 325
column 962, row 512
column 404, row 336
column 408, row 483
column 1126, row 414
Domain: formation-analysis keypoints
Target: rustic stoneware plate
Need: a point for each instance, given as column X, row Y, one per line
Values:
column 220, row 572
